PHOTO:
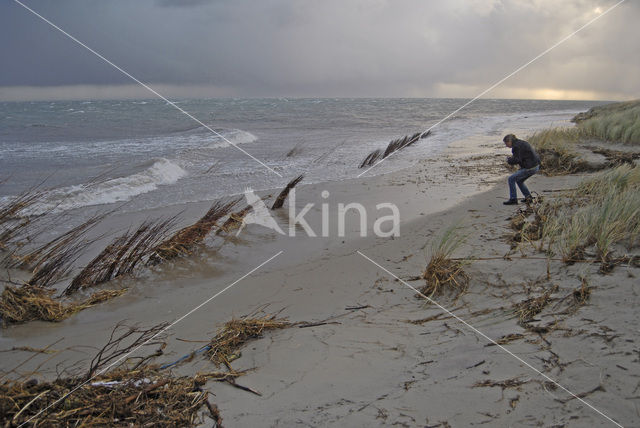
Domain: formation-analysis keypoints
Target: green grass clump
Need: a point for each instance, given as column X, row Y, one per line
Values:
column 602, row 211
column 612, row 181
column 443, row 273
column 619, row 122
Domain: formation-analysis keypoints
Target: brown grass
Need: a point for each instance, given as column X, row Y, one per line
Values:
column 444, row 274
column 234, row 221
column 531, row 307
column 138, row 395
column 28, row 303
column 13, row 220
column 41, row 255
column 237, row 332
column 183, row 242
column 122, row 255
column 144, row 397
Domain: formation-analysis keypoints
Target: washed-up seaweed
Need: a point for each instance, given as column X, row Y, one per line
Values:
column 125, row 396
column 236, row 333
column 531, row 307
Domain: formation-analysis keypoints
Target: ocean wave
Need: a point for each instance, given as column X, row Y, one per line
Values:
column 235, row 136
column 164, row 145
column 121, row 189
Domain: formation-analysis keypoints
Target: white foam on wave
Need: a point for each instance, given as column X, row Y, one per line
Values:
column 235, row 136
column 121, row 189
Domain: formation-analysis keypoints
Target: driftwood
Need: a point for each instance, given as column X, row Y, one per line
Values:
column 124, row 396
column 279, row 202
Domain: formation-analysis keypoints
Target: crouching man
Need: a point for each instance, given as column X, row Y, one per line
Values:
column 525, row 156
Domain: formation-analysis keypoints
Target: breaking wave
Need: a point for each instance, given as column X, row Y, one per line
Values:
column 121, row 189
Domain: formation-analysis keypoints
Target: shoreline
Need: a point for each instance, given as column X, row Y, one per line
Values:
column 370, row 366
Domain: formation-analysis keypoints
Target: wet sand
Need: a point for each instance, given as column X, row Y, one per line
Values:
column 370, row 366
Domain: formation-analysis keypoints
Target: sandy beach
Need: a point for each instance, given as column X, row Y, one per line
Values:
column 380, row 355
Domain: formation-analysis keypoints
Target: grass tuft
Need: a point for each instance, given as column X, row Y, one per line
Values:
column 443, row 273
column 237, row 332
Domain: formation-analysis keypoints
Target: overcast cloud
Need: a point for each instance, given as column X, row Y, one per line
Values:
column 320, row 48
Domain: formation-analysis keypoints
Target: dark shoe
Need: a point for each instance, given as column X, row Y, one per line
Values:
column 511, row 202
column 528, row 200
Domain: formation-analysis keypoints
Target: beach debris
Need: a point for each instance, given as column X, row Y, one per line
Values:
column 508, row 338
column 123, row 340
column 392, row 147
column 29, row 303
column 582, row 293
column 528, row 223
column 531, row 307
column 577, row 297
column 184, row 241
column 30, row 349
column 140, row 398
column 129, row 395
column 443, row 273
column 236, row 333
column 436, row 317
column 617, row 157
column 279, row 202
column 504, row 384
column 122, row 255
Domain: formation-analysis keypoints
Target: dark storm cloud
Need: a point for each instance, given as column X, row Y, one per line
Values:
column 327, row 48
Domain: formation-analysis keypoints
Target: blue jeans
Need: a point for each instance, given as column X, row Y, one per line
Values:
column 518, row 178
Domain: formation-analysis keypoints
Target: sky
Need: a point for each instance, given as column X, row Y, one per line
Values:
column 320, row 48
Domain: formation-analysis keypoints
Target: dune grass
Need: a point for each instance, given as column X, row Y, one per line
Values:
column 601, row 213
column 615, row 123
column 443, row 273
column 618, row 122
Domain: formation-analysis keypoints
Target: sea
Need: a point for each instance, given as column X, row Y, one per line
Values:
column 146, row 154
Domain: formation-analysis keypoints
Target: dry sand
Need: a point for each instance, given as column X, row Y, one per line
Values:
column 371, row 366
